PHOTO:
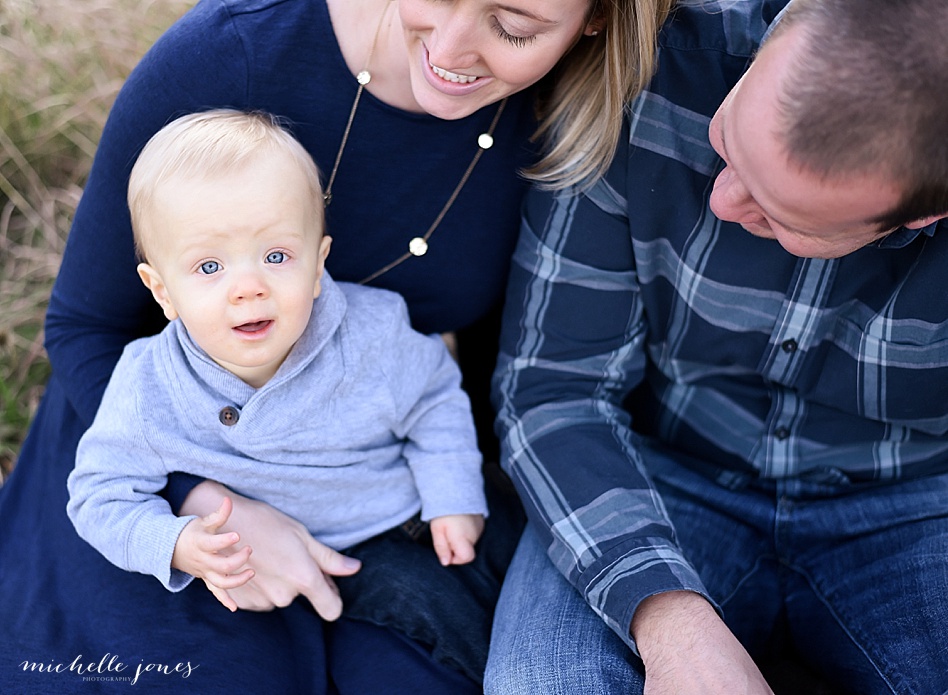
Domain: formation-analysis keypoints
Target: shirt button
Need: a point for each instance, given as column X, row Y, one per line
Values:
column 789, row 346
column 781, row 433
column 229, row 415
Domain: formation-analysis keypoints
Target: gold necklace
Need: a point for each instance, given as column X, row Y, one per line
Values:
column 417, row 246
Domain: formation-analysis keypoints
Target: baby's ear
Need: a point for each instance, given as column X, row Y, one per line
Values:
column 152, row 280
column 323, row 253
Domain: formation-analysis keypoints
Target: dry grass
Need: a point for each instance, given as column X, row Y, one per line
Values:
column 61, row 65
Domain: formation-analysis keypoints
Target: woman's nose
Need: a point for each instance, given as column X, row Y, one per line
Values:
column 452, row 44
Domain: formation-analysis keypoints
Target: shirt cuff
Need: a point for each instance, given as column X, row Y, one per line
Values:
column 622, row 579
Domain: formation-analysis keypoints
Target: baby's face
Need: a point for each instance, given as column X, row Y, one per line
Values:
column 239, row 259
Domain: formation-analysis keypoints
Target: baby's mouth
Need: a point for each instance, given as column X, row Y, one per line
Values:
column 452, row 76
column 253, row 326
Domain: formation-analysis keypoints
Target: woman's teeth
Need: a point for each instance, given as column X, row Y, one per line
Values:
column 452, row 76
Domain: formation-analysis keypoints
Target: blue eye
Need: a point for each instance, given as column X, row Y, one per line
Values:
column 276, row 257
column 210, row 267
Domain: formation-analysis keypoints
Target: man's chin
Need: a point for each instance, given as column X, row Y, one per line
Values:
column 759, row 231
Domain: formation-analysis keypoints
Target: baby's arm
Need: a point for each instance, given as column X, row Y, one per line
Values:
column 454, row 536
column 203, row 552
column 437, row 426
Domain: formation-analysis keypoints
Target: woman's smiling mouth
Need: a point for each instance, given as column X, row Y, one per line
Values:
column 451, row 76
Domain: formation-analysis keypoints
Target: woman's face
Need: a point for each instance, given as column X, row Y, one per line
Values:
column 466, row 54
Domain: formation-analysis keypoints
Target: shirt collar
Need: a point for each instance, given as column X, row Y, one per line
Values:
column 328, row 312
column 903, row 236
column 773, row 24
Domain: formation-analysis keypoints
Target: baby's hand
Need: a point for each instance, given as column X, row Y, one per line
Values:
column 203, row 552
column 454, row 537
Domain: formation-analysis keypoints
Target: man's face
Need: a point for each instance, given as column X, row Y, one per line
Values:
column 772, row 197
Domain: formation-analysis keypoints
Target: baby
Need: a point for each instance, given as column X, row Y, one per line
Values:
column 315, row 397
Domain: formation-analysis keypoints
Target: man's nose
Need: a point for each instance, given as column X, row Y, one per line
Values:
column 731, row 201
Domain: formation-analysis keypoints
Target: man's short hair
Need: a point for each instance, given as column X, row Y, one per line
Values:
column 869, row 96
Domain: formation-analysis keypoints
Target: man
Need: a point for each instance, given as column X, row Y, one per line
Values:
column 732, row 428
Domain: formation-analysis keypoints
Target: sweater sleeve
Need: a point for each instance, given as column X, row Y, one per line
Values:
column 433, row 415
column 112, row 490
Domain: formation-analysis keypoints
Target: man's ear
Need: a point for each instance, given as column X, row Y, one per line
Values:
column 925, row 221
column 152, row 280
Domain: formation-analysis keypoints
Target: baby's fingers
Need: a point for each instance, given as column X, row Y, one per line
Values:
column 442, row 547
column 217, row 542
column 213, row 521
column 462, row 551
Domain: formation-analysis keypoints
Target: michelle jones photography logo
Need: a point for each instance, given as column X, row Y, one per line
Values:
column 110, row 668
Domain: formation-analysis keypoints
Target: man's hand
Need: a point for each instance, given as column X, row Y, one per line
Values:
column 454, row 536
column 287, row 561
column 204, row 552
column 687, row 649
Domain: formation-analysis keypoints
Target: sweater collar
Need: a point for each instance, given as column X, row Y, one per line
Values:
column 329, row 310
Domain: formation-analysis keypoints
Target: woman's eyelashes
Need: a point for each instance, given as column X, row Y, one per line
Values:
column 513, row 39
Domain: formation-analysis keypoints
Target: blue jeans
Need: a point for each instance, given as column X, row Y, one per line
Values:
column 448, row 610
column 859, row 581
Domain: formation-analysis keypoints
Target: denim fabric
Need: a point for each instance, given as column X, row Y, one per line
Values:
column 859, row 578
column 448, row 609
column 365, row 659
column 546, row 639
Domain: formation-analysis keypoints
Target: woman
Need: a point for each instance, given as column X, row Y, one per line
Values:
column 404, row 165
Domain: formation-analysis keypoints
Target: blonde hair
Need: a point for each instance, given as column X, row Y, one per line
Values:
column 211, row 144
column 581, row 116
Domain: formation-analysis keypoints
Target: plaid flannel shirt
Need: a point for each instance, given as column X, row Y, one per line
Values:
column 634, row 315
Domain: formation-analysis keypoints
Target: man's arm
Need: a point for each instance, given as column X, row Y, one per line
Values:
column 687, row 648
column 572, row 349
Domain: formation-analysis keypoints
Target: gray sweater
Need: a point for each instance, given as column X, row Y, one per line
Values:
column 363, row 425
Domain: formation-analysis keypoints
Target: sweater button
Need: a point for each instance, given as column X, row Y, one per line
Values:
column 229, row 415
column 789, row 346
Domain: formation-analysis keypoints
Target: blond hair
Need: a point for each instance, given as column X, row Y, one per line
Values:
column 581, row 117
column 211, row 144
